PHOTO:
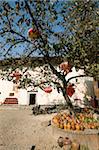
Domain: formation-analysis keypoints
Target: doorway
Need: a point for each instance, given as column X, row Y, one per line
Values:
column 32, row 99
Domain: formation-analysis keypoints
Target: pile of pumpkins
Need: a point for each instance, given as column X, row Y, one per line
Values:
column 79, row 122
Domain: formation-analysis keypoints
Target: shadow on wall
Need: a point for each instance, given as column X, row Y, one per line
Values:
column 90, row 87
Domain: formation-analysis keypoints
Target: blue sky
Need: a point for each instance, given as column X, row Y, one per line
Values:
column 55, row 28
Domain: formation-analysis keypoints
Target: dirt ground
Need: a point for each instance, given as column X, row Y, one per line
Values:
column 21, row 130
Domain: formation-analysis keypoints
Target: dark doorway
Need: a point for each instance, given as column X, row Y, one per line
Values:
column 32, row 99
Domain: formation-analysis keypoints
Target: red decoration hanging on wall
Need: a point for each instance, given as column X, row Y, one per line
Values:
column 70, row 90
column 48, row 89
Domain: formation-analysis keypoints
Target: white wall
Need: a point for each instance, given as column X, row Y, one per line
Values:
column 85, row 84
column 23, row 97
column 5, row 88
column 43, row 98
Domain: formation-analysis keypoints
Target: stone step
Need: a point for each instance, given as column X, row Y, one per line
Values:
column 11, row 101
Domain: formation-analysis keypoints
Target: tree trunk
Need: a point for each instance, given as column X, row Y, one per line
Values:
column 62, row 78
column 68, row 101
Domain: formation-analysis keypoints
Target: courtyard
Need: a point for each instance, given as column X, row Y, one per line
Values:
column 21, row 130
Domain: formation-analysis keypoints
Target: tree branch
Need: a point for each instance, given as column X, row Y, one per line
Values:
column 75, row 77
column 11, row 47
column 4, row 31
column 12, row 31
column 34, row 21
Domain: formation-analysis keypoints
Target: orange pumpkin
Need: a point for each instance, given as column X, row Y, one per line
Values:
column 77, row 126
column 61, row 125
column 65, row 126
column 55, row 120
column 68, row 126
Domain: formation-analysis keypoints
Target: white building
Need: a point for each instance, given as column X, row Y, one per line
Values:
column 31, row 95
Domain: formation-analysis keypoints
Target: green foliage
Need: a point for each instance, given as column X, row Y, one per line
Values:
column 83, row 44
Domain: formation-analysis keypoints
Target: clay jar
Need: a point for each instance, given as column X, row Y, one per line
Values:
column 60, row 141
column 67, row 144
column 75, row 146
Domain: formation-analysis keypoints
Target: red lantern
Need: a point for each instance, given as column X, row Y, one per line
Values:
column 33, row 33
column 17, row 75
column 70, row 90
column 66, row 67
column 48, row 89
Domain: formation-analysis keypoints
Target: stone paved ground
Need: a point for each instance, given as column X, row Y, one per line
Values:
column 20, row 130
